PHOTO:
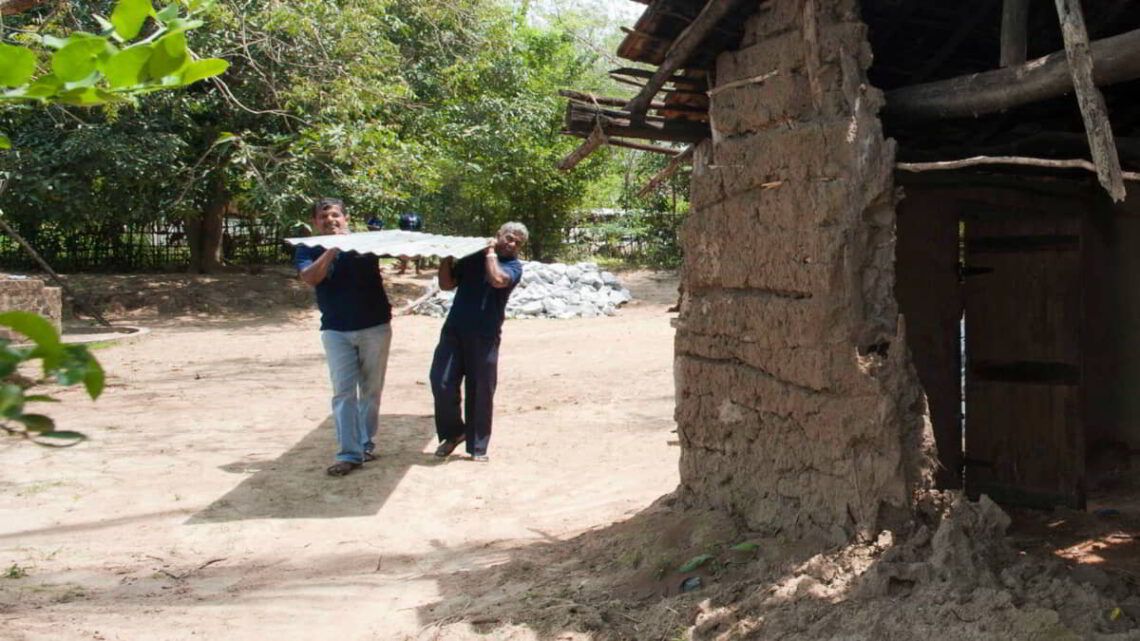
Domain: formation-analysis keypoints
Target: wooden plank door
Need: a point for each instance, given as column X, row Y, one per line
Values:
column 1023, row 308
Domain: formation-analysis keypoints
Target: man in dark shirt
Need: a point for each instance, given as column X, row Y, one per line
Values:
column 355, row 332
column 468, row 350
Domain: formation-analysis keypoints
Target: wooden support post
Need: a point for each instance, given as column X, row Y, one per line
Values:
column 1093, row 109
column 679, row 52
column 1014, row 25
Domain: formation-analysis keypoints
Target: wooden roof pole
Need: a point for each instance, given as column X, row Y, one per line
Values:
column 1014, row 25
column 1093, row 110
column 682, row 47
column 596, row 139
column 682, row 158
column 583, row 119
column 1117, row 60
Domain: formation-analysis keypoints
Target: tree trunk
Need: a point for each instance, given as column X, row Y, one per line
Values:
column 204, row 232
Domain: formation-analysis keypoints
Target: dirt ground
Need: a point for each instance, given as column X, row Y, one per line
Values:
column 199, row 507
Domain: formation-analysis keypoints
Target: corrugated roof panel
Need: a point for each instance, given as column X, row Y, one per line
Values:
column 397, row 243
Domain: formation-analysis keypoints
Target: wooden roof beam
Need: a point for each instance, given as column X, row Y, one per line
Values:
column 1116, row 59
column 591, row 99
column 680, row 50
column 582, row 119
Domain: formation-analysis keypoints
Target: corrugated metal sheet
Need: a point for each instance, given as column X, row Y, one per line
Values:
column 397, row 243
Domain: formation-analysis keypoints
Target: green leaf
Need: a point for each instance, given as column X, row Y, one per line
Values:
column 87, row 97
column 17, row 65
column 178, row 25
column 44, row 87
column 202, row 69
column 78, row 59
column 169, row 12
column 129, row 17
column 35, row 327
column 695, row 562
column 747, row 546
column 169, row 55
column 40, row 398
column 5, row 142
column 94, row 379
column 91, row 80
column 37, row 422
column 128, row 67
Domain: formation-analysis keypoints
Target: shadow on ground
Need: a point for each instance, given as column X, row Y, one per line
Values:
column 284, row 488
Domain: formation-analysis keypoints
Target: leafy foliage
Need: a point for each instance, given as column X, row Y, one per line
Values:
column 447, row 107
column 60, row 363
column 89, row 69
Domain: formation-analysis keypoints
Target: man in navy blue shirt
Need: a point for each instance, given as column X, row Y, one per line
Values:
column 355, row 332
column 468, row 350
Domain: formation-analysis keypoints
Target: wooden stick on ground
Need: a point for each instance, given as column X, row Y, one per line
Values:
column 1068, row 163
column 1093, row 109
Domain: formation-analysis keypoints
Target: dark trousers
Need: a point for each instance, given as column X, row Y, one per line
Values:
column 474, row 360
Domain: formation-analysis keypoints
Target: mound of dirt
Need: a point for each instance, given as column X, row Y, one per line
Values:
column 682, row 574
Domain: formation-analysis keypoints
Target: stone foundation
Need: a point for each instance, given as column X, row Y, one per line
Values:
column 30, row 295
column 798, row 408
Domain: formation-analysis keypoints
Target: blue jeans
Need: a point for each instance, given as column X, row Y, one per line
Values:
column 465, row 371
column 358, row 361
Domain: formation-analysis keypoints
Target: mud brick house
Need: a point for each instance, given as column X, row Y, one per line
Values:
column 913, row 253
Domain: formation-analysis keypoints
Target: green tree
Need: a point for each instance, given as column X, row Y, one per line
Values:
column 113, row 66
column 445, row 106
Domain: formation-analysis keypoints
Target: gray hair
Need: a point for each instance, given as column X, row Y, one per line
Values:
column 518, row 229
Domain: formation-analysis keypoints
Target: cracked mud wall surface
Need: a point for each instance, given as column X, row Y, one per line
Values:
column 798, row 408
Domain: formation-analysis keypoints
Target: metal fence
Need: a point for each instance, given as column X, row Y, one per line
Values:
column 146, row 247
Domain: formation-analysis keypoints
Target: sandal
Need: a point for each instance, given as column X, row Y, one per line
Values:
column 447, row 447
column 369, row 457
column 342, row 468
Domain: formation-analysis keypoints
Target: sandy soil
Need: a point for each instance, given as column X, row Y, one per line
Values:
column 199, row 507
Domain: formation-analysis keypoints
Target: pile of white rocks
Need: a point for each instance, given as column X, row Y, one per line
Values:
column 551, row 290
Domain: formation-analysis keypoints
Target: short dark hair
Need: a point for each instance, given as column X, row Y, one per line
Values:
column 326, row 203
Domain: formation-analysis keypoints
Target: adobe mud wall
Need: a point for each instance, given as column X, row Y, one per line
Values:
column 797, row 408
